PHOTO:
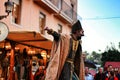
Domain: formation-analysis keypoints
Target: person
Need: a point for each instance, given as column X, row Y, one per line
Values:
column 39, row 74
column 27, row 65
column 100, row 75
column 118, row 74
column 88, row 76
column 66, row 52
column 17, row 64
column 5, row 65
column 111, row 76
column 109, row 68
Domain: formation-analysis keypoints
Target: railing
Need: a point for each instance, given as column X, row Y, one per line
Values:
column 66, row 9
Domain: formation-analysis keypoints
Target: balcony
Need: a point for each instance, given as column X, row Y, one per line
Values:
column 48, row 5
column 60, row 9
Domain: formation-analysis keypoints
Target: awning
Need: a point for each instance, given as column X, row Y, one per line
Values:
column 113, row 63
column 90, row 64
column 31, row 39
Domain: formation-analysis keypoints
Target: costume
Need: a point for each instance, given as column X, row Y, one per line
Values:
column 99, row 76
column 65, row 58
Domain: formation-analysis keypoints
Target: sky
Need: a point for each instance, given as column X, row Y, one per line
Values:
column 101, row 23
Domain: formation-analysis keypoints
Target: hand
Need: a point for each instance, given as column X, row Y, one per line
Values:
column 49, row 31
column 46, row 28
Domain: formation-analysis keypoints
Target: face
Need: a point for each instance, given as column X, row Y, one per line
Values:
column 86, row 70
column 100, row 70
column 110, row 68
column 79, row 34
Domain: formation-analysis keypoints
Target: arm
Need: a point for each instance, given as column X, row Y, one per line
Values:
column 53, row 33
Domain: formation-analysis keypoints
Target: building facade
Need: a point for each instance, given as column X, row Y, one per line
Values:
column 28, row 19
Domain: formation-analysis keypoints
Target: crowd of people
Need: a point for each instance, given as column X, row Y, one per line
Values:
column 25, row 67
column 109, row 74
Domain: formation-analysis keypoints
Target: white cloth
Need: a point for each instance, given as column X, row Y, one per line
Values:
column 89, row 77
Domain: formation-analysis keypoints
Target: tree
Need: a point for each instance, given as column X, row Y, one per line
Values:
column 119, row 45
column 111, row 54
column 94, row 57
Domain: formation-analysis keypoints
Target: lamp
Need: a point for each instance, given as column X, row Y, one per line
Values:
column 31, row 51
column 43, row 54
column 9, row 7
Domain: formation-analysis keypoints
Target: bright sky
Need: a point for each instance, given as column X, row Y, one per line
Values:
column 101, row 23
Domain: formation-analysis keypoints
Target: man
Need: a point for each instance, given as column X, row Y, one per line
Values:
column 100, row 75
column 88, row 76
column 109, row 68
column 65, row 54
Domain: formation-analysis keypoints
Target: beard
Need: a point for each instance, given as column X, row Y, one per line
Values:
column 79, row 38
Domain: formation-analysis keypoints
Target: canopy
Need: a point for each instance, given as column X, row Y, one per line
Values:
column 90, row 64
column 31, row 39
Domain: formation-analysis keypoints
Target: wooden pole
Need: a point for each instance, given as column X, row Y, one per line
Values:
column 11, row 65
column 11, row 77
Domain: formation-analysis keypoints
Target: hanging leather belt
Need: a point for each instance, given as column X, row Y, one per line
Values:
column 70, row 60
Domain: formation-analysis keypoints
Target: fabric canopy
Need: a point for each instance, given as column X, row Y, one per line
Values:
column 90, row 64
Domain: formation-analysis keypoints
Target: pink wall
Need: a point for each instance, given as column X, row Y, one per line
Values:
column 30, row 18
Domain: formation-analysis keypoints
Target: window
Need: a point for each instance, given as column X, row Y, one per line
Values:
column 42, row 21
column 57, row 3
column 59, row 28
column 16, row 13
column 60, row 4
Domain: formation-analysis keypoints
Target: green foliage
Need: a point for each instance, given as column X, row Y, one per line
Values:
column 94, row 57
column 112, row 54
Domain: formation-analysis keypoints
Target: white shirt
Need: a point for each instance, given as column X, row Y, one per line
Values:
column 89, row 77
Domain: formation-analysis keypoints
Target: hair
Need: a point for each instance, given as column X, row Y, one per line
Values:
column 109, row 65
column 112, row 73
